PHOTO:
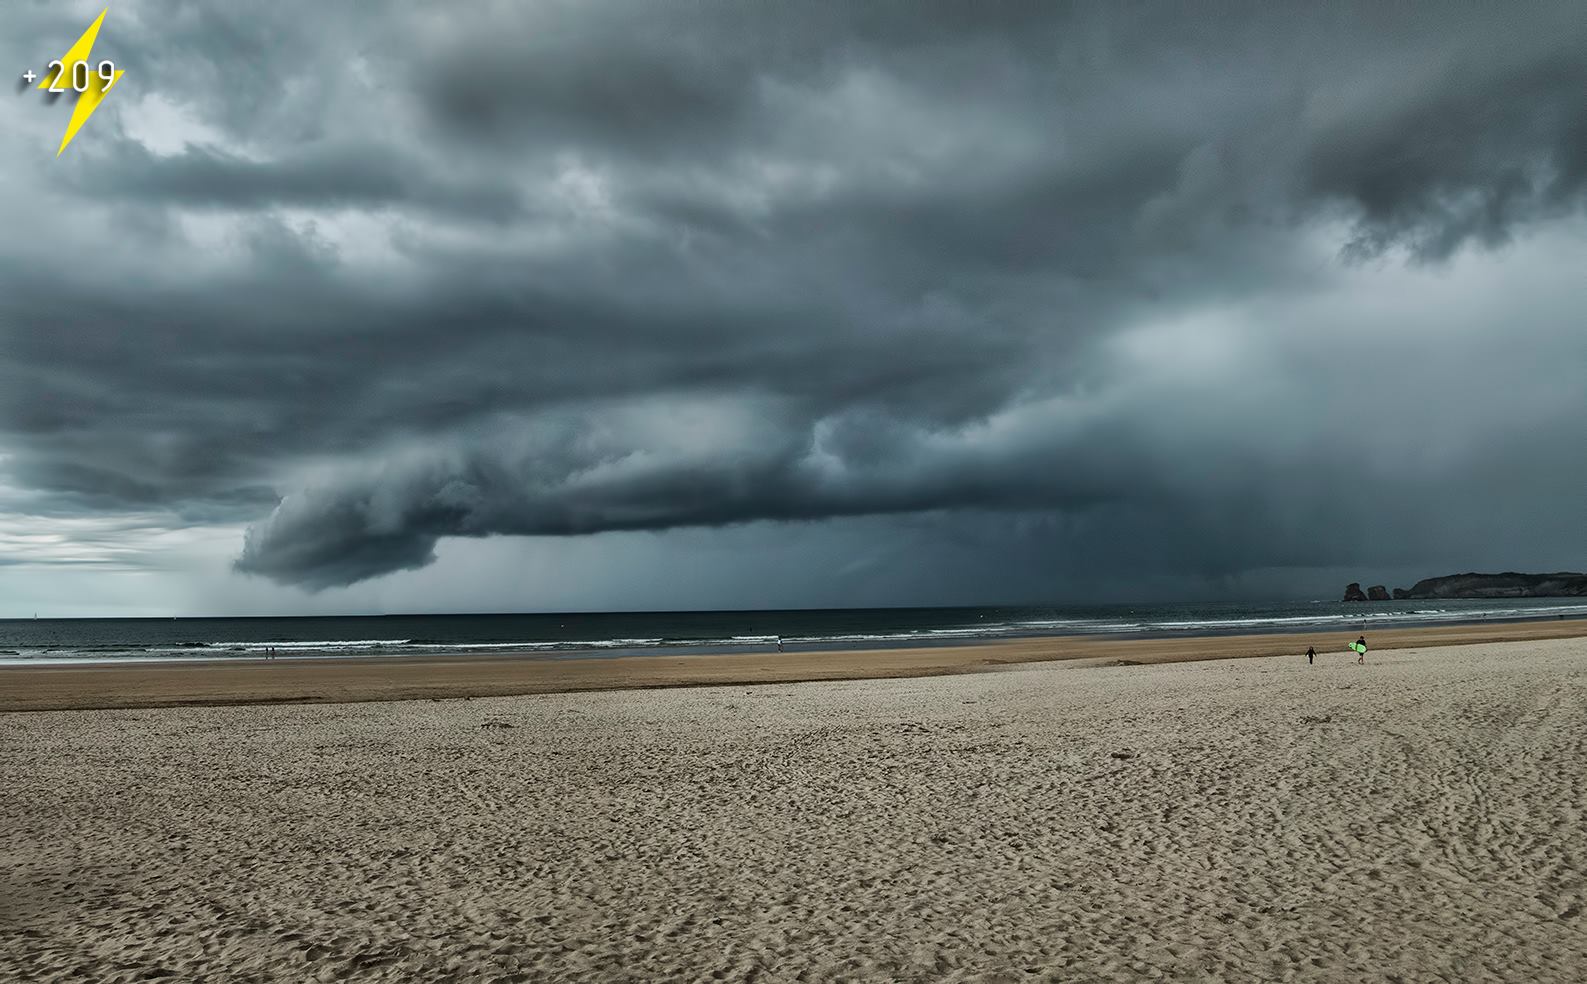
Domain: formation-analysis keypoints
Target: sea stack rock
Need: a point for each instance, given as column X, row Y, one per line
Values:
column 1400, row 594
column 1353, row 592
column 1377, row 593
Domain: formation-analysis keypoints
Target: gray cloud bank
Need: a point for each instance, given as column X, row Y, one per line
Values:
column 1212, row 288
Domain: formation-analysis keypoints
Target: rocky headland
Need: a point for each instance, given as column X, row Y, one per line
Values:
column 1565, row 584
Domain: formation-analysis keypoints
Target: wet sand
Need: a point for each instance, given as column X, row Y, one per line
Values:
column 418, row 677
column 1417, row 819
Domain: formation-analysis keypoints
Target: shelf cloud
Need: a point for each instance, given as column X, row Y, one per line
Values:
column 1188, row 291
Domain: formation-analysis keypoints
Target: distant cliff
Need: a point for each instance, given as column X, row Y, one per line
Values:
column 1507, row 585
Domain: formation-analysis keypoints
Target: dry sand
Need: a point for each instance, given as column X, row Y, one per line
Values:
column 1418, row 819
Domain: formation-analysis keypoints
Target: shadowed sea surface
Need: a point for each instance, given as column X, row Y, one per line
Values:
column 598, row 634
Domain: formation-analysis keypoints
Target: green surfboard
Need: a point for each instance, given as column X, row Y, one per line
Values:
column 1357, row 647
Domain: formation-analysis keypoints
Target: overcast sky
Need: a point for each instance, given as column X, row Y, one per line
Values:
column 590, row 305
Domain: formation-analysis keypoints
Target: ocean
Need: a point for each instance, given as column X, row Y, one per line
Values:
column 605, row 634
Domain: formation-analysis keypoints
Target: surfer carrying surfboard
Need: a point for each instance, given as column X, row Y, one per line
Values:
column 1361, row 650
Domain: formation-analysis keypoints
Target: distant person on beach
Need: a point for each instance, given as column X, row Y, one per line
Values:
column 779, row 644
column 1311, row 654
column 1361, row 650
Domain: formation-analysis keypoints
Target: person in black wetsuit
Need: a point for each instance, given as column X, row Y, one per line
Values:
column 1361, row 653
column 1311, row 654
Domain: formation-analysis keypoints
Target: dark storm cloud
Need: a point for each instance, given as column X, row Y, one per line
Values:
column 1484, row 151
column 593, row 267
column 684, row 472
column 332, row 176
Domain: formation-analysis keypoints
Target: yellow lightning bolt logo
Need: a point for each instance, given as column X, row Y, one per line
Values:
column 89, row 98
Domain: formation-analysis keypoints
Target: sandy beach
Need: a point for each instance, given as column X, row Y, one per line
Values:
column 252, row 681
column 1418, row 819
